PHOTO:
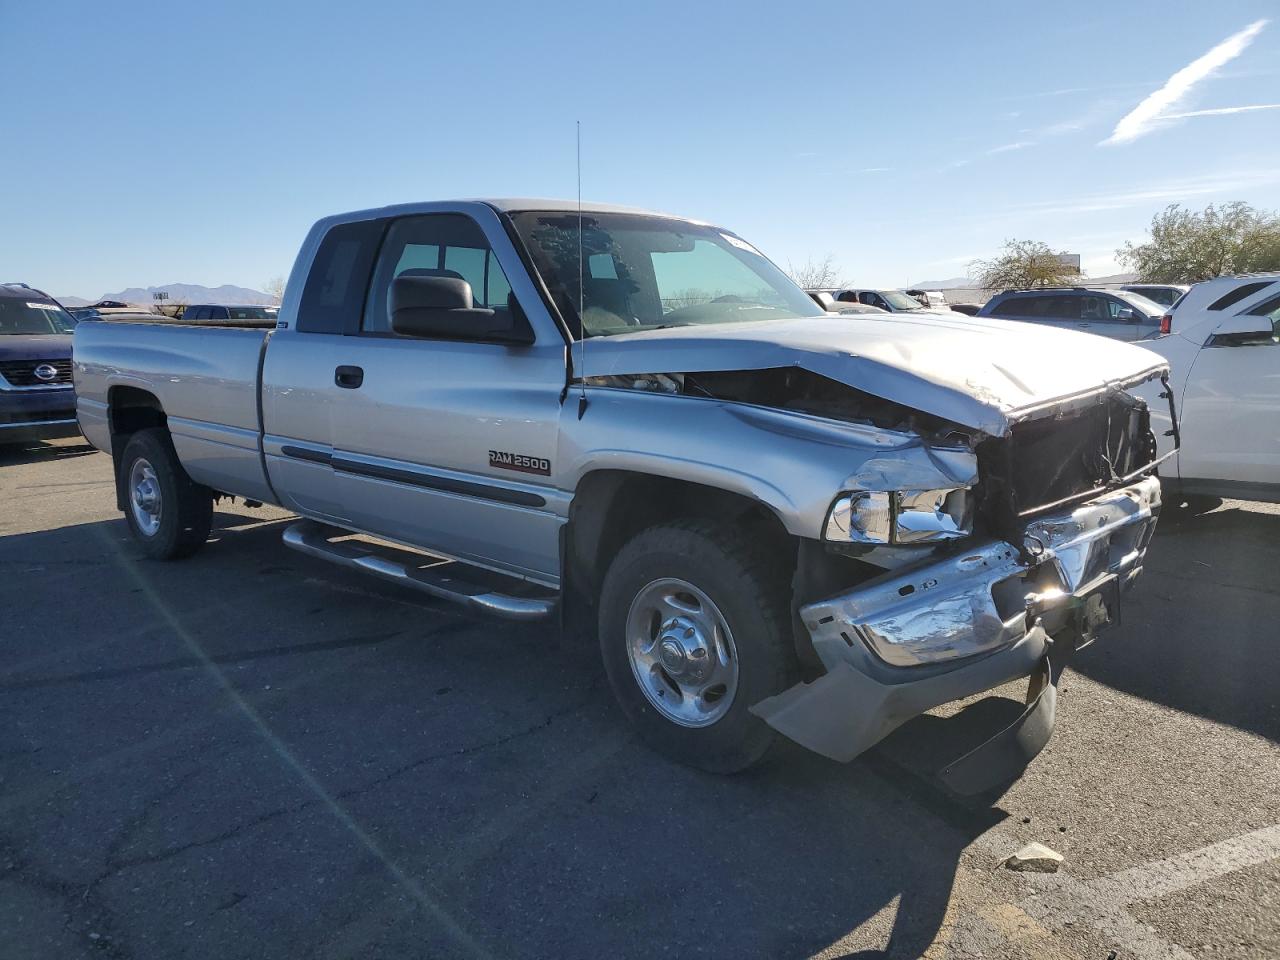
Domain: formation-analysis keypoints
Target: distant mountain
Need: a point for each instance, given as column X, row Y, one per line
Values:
column 942, row 284
column 189, row 293
column 73, row 301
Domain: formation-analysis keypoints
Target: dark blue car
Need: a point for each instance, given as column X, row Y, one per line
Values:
column 37, row 401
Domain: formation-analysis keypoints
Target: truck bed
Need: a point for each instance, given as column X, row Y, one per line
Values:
column 206, row 379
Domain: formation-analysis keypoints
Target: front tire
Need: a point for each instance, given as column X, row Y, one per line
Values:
column 695, row 628
column 169, row 514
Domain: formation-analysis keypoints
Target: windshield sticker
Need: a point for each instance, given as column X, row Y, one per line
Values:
column 740, row 244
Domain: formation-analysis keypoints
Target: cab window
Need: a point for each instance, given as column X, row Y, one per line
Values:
column 435, row 245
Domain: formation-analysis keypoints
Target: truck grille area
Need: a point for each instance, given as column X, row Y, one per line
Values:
column 1053, row 461
column 22, row 373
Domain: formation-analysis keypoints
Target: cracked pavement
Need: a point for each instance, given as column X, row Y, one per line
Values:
column 252, row 754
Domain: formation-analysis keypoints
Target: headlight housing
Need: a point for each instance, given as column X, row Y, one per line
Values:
column 900, row 516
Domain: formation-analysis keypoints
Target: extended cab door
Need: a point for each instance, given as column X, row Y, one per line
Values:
column 1230, row 416
column 450, row 444
column 299, row 371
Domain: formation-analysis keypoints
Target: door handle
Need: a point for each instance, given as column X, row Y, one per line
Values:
column 348, row 377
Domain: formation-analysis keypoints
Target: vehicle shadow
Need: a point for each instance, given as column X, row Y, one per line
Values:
column 488, row 761
column 1198, row 632
column 41, row 452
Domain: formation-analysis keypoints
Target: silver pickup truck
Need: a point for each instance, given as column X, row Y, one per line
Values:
column 774, row 519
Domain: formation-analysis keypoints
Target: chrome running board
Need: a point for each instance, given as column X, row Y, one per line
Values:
column 431, row 575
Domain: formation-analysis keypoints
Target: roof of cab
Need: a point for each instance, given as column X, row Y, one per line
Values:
column 518, row 204
column 20, row 291
column 501, row 204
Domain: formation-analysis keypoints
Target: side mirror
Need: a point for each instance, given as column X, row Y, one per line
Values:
column 1127, row 313
column 824, row 300
column 1242, row 330
column 442, row 308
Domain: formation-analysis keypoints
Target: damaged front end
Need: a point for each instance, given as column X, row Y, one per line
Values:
column 945, row 629
column 951, row 560
column 1065, row 507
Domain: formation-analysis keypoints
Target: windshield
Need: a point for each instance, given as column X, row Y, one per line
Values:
column 33, row 317
column 901, row 301
column 1148, row 307
column 645, row 273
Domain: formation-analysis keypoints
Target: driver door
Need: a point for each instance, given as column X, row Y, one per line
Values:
column 449, row 445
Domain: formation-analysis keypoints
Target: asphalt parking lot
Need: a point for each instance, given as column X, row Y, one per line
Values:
column 253, row 754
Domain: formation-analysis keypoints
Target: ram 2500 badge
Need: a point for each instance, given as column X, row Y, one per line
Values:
column 774, row 520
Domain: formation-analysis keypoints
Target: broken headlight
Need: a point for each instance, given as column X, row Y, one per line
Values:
column 900, row 516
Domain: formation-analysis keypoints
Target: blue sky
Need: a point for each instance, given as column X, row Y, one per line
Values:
column 150, row 143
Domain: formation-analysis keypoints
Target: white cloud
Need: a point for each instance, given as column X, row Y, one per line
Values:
column 1220, row 111
column 1008, row 147
column 1062, row 127
column 1144, row 118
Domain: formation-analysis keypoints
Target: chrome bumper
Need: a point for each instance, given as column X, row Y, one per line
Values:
column 948, row 629
column 979, row 601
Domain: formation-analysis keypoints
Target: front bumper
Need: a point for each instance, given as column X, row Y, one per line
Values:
column 946, row 629
column 42, row 413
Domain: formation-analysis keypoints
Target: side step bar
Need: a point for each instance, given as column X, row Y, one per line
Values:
column 431, row 575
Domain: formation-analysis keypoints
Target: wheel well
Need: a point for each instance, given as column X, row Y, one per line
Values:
column 611, row 506
column 130, row 409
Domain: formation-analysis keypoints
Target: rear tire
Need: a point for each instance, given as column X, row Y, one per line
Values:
column 169, row 514
column 695, row 628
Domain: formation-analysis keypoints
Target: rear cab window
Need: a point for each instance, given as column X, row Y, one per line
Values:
column 334, row 294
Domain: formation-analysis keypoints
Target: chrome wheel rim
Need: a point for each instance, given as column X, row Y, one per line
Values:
column 682, row 653
column 144, row 497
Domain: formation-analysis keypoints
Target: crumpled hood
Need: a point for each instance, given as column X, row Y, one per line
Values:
column 978, row 372
column 43, row 346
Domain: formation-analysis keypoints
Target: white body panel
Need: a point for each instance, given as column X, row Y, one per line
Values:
column 1228, row 398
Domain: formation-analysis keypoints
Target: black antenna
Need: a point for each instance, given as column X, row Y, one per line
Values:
column 582, row 322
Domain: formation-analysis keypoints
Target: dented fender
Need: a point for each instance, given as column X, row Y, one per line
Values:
column 793, row 463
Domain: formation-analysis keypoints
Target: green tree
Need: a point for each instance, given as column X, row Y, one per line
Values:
column 1187, row 247
column 1023, row 263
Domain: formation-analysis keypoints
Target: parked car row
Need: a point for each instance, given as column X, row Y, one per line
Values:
column 1222, row 339
column 37, row 399
column 891, row 301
